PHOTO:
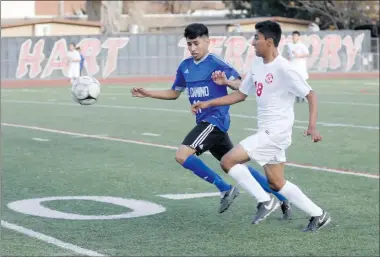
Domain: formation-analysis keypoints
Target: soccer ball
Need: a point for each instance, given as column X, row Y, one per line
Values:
column 85, row 90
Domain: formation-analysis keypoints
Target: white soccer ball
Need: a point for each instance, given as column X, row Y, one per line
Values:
column 85, row 90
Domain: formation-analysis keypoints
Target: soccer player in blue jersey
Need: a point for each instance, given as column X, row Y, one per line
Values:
column 201, row 76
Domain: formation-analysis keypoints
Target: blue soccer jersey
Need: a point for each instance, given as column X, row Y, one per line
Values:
column 195, row 76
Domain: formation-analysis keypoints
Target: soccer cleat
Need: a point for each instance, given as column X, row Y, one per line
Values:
column 227, row 198
column 286, row 210
column 264, row 209
column 318, row 222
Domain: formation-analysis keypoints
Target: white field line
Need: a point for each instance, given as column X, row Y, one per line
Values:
column 183, row 96
column 327, row 124
column 255, row 129
column 372, row 84
column 316, row 168
column 40, row 139
column 150, row 134
column 189, row 196
column 350, row 103
column 112, row 95
column 49, row 239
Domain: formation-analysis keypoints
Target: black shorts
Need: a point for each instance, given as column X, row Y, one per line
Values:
column 208, row 137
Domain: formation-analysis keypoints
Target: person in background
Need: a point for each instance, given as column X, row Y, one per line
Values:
column 81, row 60
column 298, row 54
column 73, row 63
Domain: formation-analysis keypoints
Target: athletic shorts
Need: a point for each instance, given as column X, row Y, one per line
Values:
column 208, row 137
column 266, row 148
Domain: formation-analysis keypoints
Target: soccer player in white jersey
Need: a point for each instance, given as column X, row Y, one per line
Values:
column 73, row 63
column 298, row 54
column 275, row 83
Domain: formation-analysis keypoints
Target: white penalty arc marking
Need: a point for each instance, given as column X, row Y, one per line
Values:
column 327, row 124
column 49, row 239
column 316, row 168
column 34, row 207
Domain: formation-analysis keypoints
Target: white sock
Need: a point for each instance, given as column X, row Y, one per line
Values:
column 299, row 199
column 244, row 178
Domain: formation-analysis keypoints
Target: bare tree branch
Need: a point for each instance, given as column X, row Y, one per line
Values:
column 342, row 14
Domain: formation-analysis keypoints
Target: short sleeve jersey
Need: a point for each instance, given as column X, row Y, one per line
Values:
column 194, row 77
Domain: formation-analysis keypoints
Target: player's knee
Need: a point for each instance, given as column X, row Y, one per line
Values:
column 182, row 154
column 226, row 163
column 180, row 157
column 277, row 184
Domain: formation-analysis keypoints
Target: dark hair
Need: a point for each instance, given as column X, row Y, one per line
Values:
column 270, row 29
column 195, row 30
column 296, row 33
column 72, row 44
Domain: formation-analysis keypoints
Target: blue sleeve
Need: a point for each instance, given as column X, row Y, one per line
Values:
column 179, row 82
column 231, row 73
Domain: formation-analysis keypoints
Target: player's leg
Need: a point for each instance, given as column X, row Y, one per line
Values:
column 73, row 75
column 233, row 164
column 196, row 143
column 70, row 77
column 276, row 178
column 223, row 145
column 221, row 148
column 263, row 181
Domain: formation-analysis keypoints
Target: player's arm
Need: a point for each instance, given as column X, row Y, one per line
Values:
column 233, row 84
column 313, row 109
column 230, row 99
column 299, row 87
column 170, row 94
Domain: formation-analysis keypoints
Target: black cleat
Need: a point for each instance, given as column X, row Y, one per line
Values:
column 286, row 210
column 318, row 222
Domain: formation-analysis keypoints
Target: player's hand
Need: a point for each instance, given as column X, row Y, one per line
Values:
column 314, row 134
column 199, row 105
column 219, row 77
column 139, row 92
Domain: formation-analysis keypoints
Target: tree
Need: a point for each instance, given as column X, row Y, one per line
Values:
column 176, row 7
column 337, row 14
column 330, row 14
column 106, row 12
column 93, row 10
column 266, row 8
column 111, row 17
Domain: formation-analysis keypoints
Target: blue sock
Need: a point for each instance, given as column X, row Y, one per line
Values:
column 200, row 169
column 264, row 183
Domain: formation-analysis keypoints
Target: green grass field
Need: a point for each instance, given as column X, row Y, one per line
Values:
column 124, row 148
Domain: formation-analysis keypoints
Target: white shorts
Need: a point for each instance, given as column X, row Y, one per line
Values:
column 265, row 148
column 73, row 73
column 304, row 75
